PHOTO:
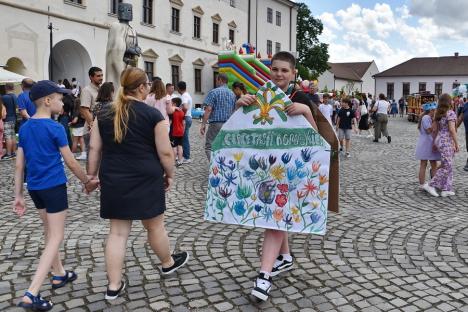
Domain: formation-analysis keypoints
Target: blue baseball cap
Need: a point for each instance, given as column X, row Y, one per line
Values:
column 44, row 88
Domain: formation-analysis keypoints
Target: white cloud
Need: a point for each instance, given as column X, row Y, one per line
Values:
column 382, row 34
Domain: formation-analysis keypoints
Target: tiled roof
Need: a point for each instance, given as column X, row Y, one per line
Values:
column 349, row 71
column 429, row 66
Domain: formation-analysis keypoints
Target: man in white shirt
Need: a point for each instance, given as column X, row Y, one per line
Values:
column 327, row 108
column 187, row 104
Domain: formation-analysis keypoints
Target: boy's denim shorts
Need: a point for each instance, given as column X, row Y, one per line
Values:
column 53, row 199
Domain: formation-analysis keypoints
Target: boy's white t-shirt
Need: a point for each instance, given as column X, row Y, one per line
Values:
column 382, row 107
column 187, row 99
column 327, row 111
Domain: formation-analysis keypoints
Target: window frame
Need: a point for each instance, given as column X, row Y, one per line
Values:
column 278, row 18
column 114, row 6
column 175, row 19
column 233, row 37
column 147, row 16
column 269, row 48
column 173, row 74
column 232, row 3
column 438, row 84
column 197, row 80
column 146, row 64
column 215, row 77
column 215, row 32
column 270, row 15
column 403, row 89
column 421, row 84
column 390, row 90
column 196, row 27
column 277, row 47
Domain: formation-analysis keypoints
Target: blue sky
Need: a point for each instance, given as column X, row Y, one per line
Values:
column 391, row 31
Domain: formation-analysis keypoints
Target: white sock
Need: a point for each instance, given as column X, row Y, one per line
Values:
column 267, row 274
column 287, row 257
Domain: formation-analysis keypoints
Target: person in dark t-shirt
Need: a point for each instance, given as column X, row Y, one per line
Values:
column 345, row 124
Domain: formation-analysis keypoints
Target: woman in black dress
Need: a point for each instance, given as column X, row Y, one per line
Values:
column 130, row 147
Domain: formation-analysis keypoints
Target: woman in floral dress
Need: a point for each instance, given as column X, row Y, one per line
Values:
column 444, row 132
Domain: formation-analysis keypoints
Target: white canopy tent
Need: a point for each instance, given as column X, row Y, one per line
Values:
column 8, row 76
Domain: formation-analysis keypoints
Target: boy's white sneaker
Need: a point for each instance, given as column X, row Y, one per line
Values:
column 447, row 193
column 262, row 287
column 430, row 190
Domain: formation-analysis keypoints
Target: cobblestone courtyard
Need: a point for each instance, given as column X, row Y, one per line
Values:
column 392, row 247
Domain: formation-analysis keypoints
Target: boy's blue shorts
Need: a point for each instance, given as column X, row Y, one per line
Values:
column 53, row 199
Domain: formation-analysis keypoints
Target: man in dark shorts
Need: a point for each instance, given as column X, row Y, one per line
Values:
column 463, row 117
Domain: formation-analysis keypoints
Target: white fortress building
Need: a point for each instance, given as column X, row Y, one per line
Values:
column 180, row 39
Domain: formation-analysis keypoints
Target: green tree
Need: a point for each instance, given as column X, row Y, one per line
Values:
column 313, row 54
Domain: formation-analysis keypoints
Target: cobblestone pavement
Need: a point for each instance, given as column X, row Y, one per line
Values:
column 392, row 247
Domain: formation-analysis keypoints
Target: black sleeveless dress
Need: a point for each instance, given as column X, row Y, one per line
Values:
column 131, row 175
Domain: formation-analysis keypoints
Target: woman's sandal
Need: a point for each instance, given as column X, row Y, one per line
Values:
column 69, row 276
column 37, row 303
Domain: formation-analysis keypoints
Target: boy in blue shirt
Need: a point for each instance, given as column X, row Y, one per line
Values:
column 42, row 144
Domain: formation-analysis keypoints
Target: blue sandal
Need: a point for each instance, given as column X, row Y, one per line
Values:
column 37, row 303
column 69, row 276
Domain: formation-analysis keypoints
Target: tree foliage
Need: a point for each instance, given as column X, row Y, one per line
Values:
column 313, row 54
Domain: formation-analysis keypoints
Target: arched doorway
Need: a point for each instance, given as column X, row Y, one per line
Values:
column 15, row 65
column 70, row 59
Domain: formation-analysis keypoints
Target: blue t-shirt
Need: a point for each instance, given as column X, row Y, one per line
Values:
column 24, row 102
column 41, row 140
column 465, row 117
column 9, row 100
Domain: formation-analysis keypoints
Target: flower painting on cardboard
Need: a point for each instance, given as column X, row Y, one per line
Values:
column 268, row 169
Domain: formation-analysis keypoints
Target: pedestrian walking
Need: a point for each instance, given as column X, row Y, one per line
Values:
column 131, row 149
column 424, row 151
column 25, row 106
column 401, row 107
column 364, row 120
column 104, row 98
column 42, row 145
column 239, row 89
column 159, row 99
column 345, row 124
column 9, row 125
column 394, row 108
column 326, row 108
column 219, row 105
column 88, row 100
column 2, row 116
column 445, row 134
column 276, row 257
column 187, row 104
column 381, row 109
column 77, row 125
column 176, row 132
column 463, row 118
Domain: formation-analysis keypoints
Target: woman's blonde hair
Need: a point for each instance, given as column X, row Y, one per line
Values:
column 130, row 79
column 158, row 89
column 443, row 106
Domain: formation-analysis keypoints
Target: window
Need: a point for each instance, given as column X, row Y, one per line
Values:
column 231, row 35
column 232, row 3
column 114, row 6
column 455, row 85
column 175, row 73
column 390, row 88
column 422, row 87
column 277, row 47
column 148, row 11
column 196, row 27
column 215, row 77
column 438, row 88
column 269, row 47
column 269, row 15
column 149, row 69
column 278, row 18
column 175, row 20
column 198, row 80
column 75, row 1
column 215, row 33
column 406, row 89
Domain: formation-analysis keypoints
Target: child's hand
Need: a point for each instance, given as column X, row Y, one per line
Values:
column 246, row 100
column 457, row 148
column 91, row 185
column 19, row 206
column 297, row 109
column 168, row 181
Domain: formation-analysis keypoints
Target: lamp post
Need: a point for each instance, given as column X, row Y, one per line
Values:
column 51, row 60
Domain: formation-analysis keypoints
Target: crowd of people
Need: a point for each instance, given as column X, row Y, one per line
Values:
column 134, row 135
